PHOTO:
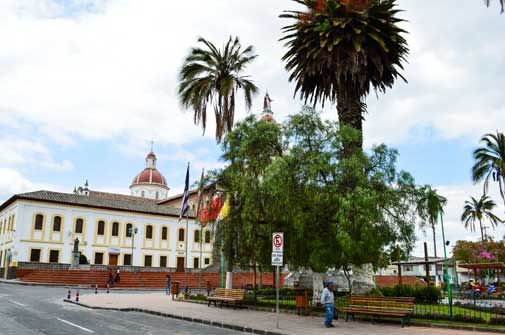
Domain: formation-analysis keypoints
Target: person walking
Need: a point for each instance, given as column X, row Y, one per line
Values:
column 118, row 278
column 328, row 300
column 168, row 284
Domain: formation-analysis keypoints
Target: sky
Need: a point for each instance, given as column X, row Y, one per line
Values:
column 85, row 85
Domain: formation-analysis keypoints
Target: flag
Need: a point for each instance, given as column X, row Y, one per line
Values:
column 199, row 207
column 225, row 210
column 185, row 197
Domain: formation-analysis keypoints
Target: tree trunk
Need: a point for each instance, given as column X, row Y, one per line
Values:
column 434, row 241
column 350, row 111
column 481, row 231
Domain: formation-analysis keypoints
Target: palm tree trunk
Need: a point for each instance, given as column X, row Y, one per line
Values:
column 434, row 241
column 350, row 113
column 481, row 231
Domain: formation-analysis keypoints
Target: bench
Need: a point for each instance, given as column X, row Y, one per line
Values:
column 225, row 296
column 380, row 306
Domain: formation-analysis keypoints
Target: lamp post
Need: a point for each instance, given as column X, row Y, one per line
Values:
column 446, row 276
column 132, row 232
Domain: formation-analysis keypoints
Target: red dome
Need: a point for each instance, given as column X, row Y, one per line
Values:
column 149, row 176
column 151, row 155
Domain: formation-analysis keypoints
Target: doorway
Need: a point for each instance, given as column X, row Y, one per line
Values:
column 180, row 264
column 112, row 260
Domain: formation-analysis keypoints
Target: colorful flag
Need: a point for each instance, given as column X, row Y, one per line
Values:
column 185, row 197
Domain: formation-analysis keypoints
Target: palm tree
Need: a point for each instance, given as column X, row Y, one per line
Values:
column 476, row 210
column 490, row 162
column 502, row 3
column 212, row 75
column 430, row 206
column 339, row 49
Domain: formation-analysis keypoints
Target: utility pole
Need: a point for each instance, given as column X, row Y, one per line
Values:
column 446, row 277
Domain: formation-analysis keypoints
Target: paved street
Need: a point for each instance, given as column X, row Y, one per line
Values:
column 30, row 310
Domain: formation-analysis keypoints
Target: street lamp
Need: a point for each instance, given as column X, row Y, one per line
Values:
column 132, row 231
column 446, row 276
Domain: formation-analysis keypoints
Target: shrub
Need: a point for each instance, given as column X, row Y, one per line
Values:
column 422, row 294
column 497, row 321
column 83, row 259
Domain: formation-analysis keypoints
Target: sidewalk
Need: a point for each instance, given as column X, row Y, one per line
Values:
column 159, row 303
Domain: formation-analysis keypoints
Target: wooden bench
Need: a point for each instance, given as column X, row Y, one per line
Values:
column 380, row 306
column 225, row 296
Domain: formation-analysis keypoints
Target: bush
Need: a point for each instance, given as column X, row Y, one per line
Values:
column 83, row 259
column 375, row 292
column 430, row 294
column 497, row 321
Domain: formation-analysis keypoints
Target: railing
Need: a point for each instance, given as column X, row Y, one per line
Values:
column 42, row 266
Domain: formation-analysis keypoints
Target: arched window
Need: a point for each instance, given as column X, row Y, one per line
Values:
column 181, row 234
column 164, row 233
column 157, row 194
column 115, row 229
column 207, row 236
column 78, row 226
column 57, row 223
column 100, row 230
column 143, row 194
column 39, row 221
column 149, row 232
column 129, row 228
column 196, row 238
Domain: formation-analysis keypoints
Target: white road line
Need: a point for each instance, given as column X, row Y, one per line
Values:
column 17, row 303
column 73, row 324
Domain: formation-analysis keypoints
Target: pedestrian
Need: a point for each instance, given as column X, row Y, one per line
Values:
column 168, row 284
column 328, row 300
column 118, row 278
column 111, row 277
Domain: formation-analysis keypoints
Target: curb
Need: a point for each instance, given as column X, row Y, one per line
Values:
column 183, row 318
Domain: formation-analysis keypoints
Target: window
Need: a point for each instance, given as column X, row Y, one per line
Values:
column 57, row 223
column 207, row 261
column 54, row 256
column 164, row 233
column 100, row 230
column 39, row 221
column 149, row 232
column 35, row 255
column 148, row 260
column 196, row 262
column 163, row 261
column 196, row 238
column 127, row 259
column 207, row 236
column 129, row 228
column 143, row 194
column 99, row 258
column 78, row 226
column 181, row 234
column 115, row 229
column 157, row 195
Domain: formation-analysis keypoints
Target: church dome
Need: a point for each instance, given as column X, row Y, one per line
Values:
column 150, row 175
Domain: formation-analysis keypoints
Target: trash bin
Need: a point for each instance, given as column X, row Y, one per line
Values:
column 302, row 301
column 175, row 288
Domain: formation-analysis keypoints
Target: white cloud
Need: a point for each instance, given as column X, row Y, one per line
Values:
column 13, row 182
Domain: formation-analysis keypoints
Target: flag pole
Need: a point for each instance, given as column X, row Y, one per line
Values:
column 187, row 256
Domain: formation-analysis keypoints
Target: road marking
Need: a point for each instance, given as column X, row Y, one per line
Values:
column 17, row 303
column 73, row 324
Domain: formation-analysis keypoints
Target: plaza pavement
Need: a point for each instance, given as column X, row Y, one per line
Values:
column 263, row 321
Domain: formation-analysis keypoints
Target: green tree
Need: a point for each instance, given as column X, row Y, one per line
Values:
column 339, row 49
column 490, row 162
column 476, row 210
column 430, row 206
column 214, row 76
column 502, row 4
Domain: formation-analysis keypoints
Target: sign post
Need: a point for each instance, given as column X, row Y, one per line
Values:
column 277, row 260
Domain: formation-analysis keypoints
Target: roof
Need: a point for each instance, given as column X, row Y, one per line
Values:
column 99, row 200
column 117, row 196
column 420, row 261
column 496, row 265
column 190, row 192
column 150, row 176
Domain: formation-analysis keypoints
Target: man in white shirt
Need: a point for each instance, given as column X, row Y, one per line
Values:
column 328, row 300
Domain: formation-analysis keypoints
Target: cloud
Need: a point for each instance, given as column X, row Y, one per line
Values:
column 13, row 182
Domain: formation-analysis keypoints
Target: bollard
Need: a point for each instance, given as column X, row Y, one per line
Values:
column 68, row 295
column 96, row 289
column 77, row 296
column 107, row 288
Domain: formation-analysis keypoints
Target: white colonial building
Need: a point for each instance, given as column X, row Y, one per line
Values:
column 142, row 229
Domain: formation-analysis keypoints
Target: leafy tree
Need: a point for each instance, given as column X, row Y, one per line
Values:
column 479, row 252
column 212, row 75
column 430, row 206
column 502, row 4
column 490, row 162
column 292, row 180
column 339, row 49
column 476, row 210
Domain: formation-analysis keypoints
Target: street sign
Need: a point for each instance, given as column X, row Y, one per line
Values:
column 278, row 242
column 277, row 258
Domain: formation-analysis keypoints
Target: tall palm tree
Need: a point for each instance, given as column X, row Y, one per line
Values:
column 212, row 75
column 476, row 210
column 339, row 49
column 502, row 3
column 490, row 162
column 430, row 206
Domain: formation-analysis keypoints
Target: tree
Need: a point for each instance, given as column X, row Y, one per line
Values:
column 212, row 75
column 430, row 207
column 339, row 49
column 476, row 210
column 490, row 162
column 291, row 181
column 502, row 4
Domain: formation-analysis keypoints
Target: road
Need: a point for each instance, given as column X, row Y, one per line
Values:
column 35, row 310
